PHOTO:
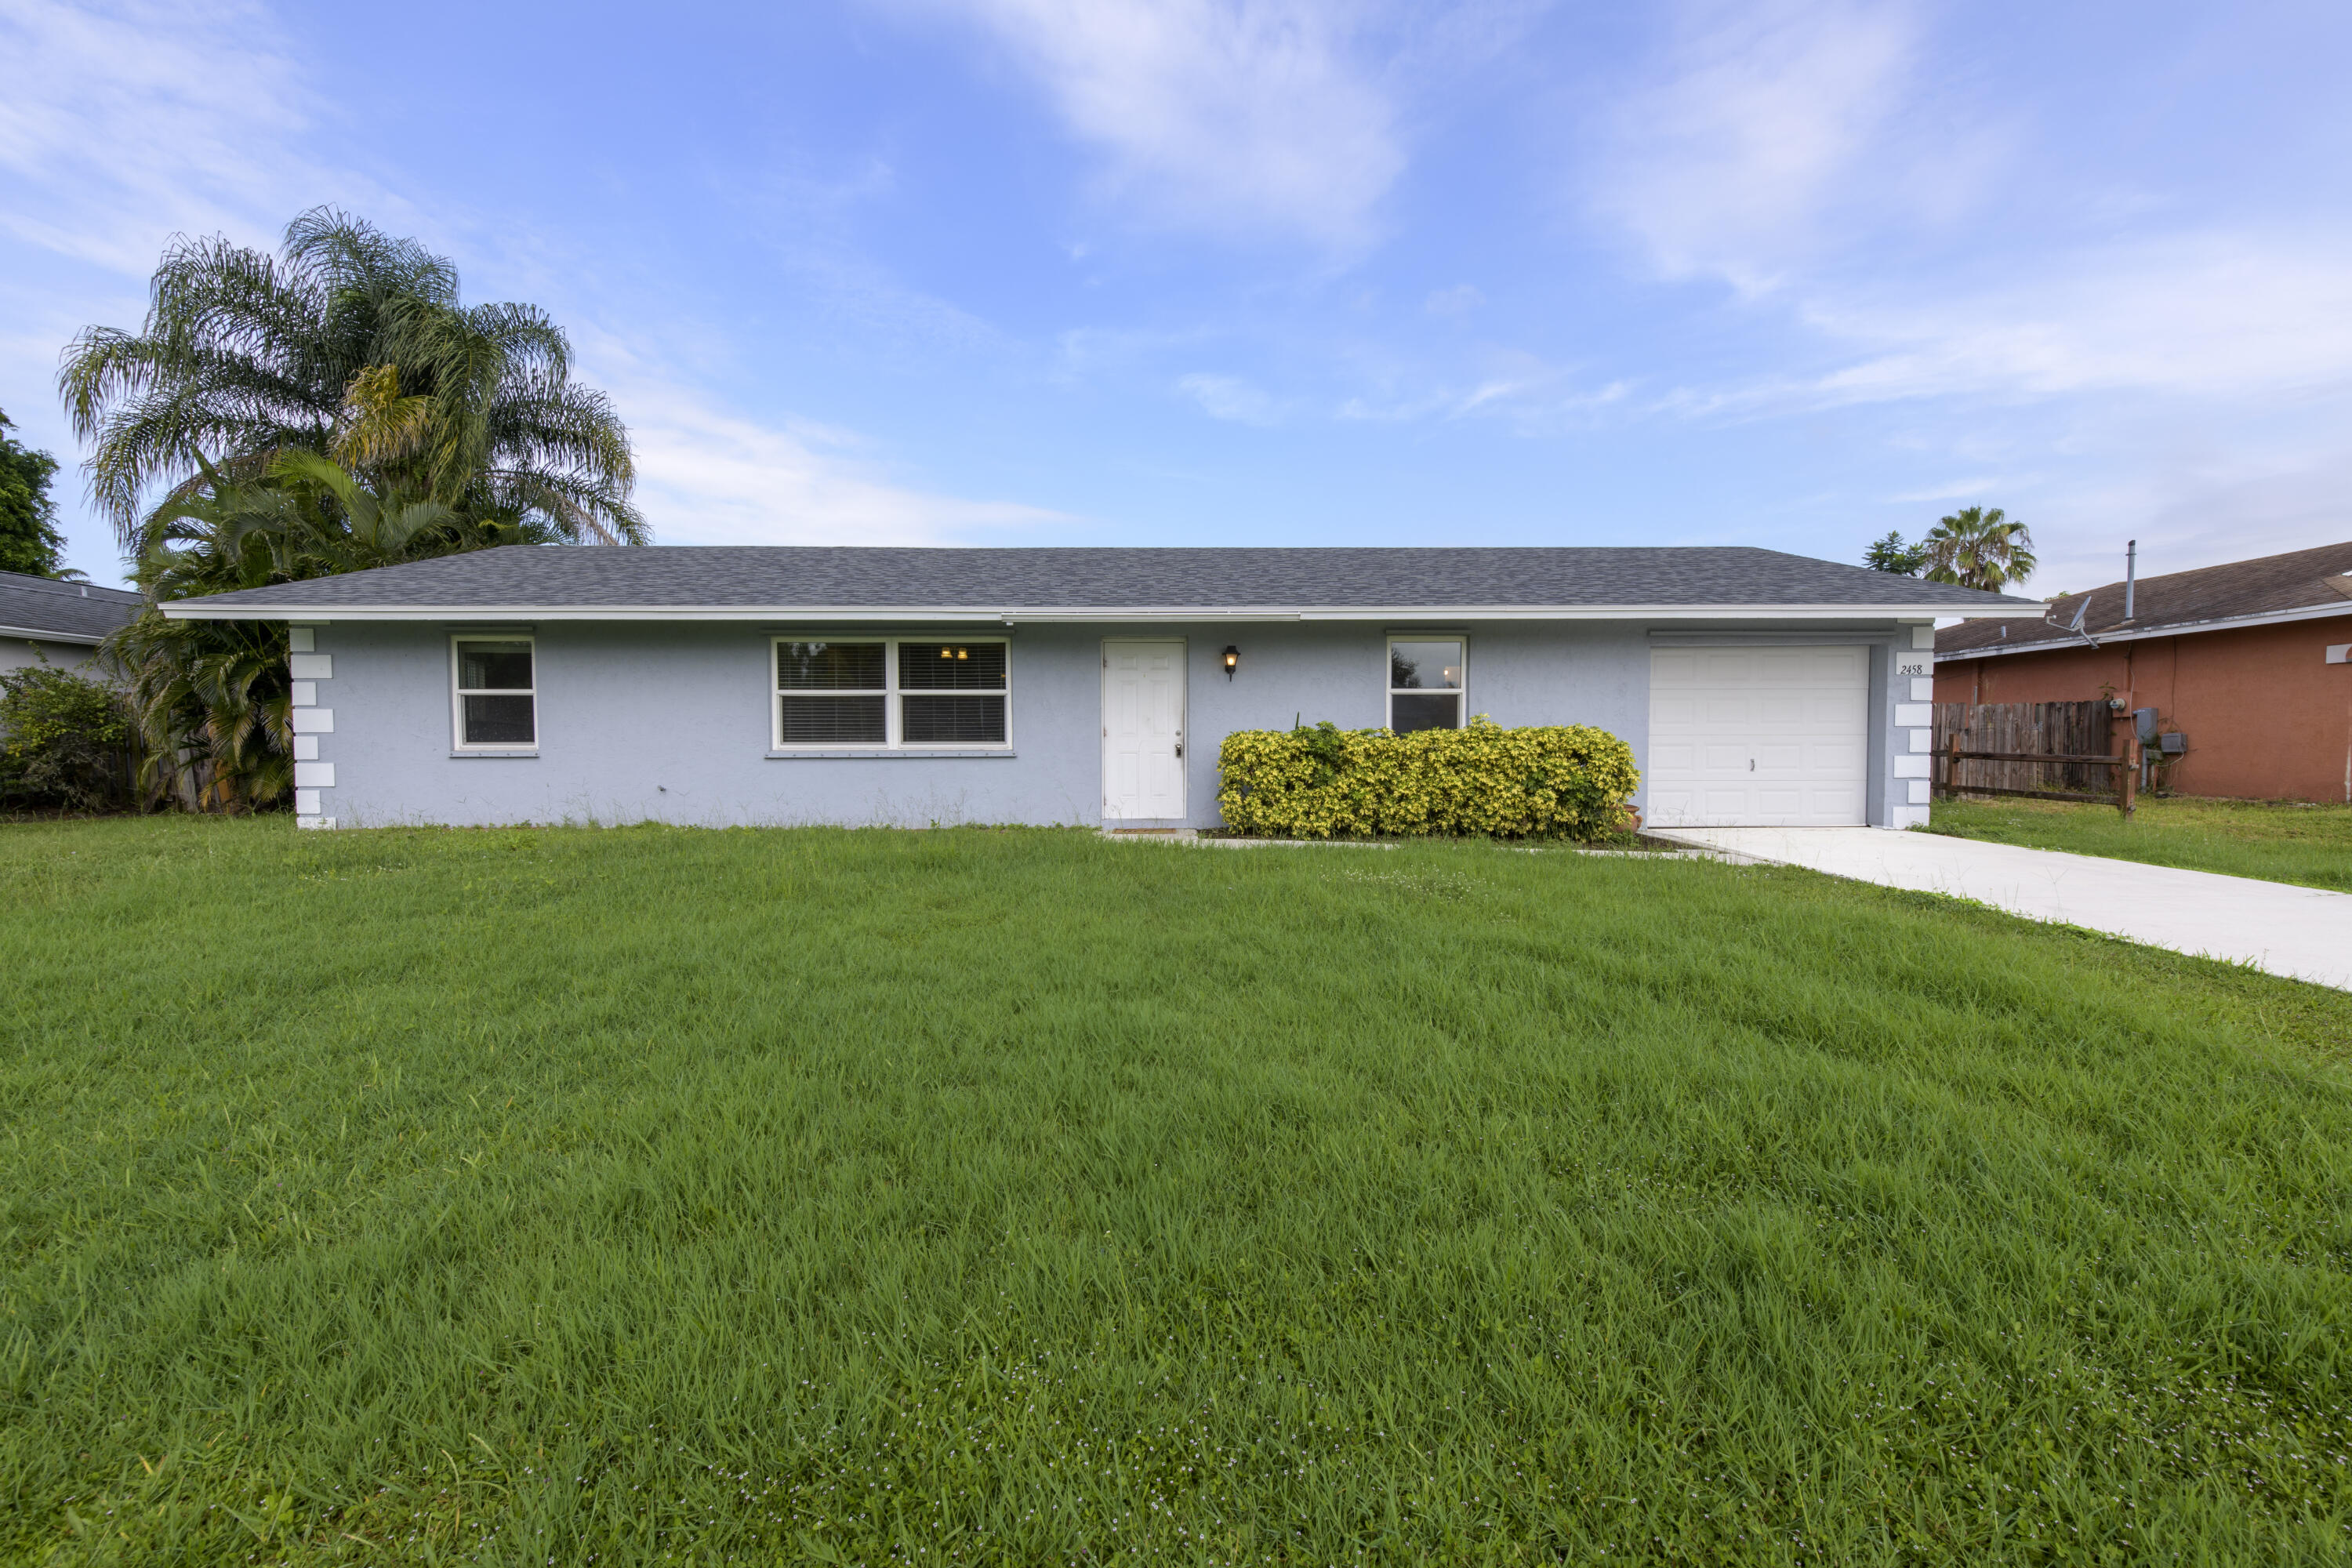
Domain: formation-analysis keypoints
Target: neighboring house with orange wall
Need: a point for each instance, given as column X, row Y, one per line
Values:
column 2252, row 661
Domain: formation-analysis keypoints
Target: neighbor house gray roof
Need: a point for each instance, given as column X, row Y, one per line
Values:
column 733, row 583
column 51, row 611
column 2302, row 584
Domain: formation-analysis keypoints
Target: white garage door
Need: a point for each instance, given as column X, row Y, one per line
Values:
column 1761, row 737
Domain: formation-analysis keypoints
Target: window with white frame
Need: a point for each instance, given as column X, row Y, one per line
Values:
column 892, row 692
column 496, row 693
column 1425, row 683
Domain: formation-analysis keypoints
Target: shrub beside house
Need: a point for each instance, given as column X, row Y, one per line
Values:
column 65, row 734
column 1559, row 781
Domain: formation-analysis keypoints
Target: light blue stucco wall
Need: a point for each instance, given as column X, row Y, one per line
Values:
column 670, row 721
column 22, row 653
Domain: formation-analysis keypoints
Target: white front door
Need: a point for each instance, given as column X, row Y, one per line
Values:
column 1143, row 730
column 1759, row 737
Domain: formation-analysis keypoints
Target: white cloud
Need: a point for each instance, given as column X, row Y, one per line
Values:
column 2211, row 318
column 1726, row 160
column 1950, row 489
column 2201, row 315
column 1230, row 397
column 1458, row 300
column 1082, row 354
column 2200, row 508
column 124, row 124
column 121, row 124
column 2108, row 365
column 709, row 476
column 2223, row 479
column 1242, row 118
column 1804, row 150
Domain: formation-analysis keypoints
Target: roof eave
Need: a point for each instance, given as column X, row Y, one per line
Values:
column 80, row 639
column 2141, row 634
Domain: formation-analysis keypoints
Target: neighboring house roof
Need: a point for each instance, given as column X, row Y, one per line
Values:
column 2303, row 584
column 736, row 582
column 50, row 611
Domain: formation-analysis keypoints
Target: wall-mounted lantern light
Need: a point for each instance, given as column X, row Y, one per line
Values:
column 1232, row 660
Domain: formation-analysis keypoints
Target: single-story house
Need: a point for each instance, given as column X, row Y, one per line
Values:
column 2248, row 661
column 1090, row 686
column 43, row 621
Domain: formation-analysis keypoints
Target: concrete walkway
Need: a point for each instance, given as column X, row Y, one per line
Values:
column 2304, row 933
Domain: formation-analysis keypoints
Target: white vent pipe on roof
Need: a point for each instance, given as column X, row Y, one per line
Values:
column 2131, row 574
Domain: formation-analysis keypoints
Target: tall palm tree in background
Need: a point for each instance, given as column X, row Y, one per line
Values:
column 1978, row 547
column 333, row 408
column 350, row 344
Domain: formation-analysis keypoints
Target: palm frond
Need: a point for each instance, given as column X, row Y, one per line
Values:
column 245, row 355
column 381, row 427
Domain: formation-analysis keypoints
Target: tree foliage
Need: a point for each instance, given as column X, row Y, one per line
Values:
column 351, row 345
column 29, row 541
column 1978, row 547
column 212, row 698
column 62, row 739
column 331, row 408
column 1892, row 554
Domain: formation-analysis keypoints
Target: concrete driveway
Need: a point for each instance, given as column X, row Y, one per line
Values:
column 2304, row 933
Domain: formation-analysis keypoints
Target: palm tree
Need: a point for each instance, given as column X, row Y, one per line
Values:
column 212, row 698
column 1978, row 547
column 350, row 344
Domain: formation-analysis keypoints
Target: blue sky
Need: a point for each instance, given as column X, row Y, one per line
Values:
column 1289, row 272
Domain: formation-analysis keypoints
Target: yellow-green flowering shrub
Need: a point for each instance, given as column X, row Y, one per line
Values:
column 1568, row 781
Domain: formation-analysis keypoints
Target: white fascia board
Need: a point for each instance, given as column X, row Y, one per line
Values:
column 1648, row 612
column 2174, row 630
column 327, row 615
column 194, row 610
column 78, row 638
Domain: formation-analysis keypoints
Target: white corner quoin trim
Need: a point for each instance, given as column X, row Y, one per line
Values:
column 1009, row 614
column 307, row 668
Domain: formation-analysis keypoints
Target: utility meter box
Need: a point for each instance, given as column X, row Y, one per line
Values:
column 2144, row 722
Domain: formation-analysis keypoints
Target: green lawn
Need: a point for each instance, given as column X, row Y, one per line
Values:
column 2276, row 841
column 576, row 1196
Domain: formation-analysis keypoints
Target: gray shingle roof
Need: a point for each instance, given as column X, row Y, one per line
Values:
column 67, row 612
column 762, row 578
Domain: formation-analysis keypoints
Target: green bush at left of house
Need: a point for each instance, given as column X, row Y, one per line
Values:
column 65, row 742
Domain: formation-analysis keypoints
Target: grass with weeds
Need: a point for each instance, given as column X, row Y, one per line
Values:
column 580, row 1197
column 2277, row 841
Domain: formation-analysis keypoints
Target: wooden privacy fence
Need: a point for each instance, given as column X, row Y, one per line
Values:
column 2043, row 729
column 2053, row 750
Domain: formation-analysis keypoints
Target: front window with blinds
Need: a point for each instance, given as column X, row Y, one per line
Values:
column 497, row 695
column 891, row 692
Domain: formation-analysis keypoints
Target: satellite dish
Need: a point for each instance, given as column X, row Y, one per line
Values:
column 2075, row 627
